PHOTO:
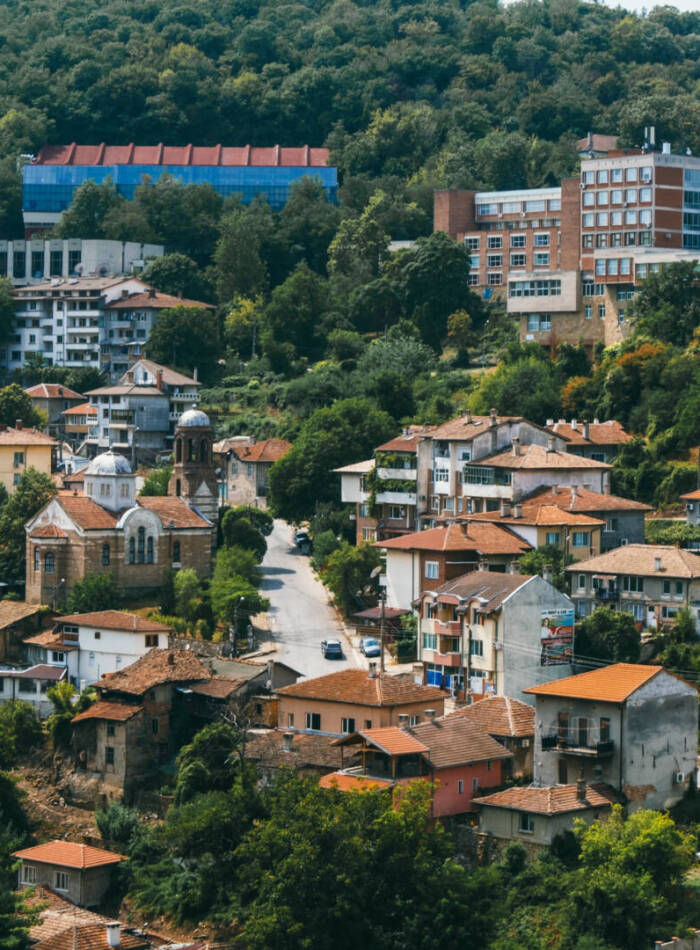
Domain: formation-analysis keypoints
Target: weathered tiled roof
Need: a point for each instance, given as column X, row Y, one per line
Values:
column 356, row 687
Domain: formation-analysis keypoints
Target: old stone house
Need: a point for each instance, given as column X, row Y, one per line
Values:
column 245, row 465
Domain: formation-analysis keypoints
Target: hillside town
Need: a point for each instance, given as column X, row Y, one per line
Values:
column 350, row 486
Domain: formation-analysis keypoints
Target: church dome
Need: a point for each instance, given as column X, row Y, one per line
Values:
column 109, row 463
column 193, row 417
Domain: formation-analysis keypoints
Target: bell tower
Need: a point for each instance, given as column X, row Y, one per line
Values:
column 194, row 474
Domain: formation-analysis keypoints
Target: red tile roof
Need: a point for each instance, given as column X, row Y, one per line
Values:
column 85, row 512
column 582, row 500
column 538, row 458
column 218, row 687
column 70, row 854
column 84, row 409
column 173, row 509
column 393, row 741
column 500, row 716
column 12, row 436
column 112, row 712
column 350, row 783
column 12, row 611
column 155, row 301
column 550, row 800
column 609, row 684
column 48, row 531
column 115, row 620
column 542, row 515
column 491, row 587
column 647, row 560
column 57, row 915
column 52, row 391
column 358, row 688
column 49, row 639
column 91, row 937
column 269, row 450
column 692, row 495
column 170, row 376
column 154, row 669
column 307, row 751
column 599, row 433
column 468, row 427
column 484, row 538
column 454, row 740
column 225, row 156
column 407, row 441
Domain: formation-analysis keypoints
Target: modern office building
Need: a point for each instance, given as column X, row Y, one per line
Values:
column 569, row 260
column 33, row 261
column 51, row 179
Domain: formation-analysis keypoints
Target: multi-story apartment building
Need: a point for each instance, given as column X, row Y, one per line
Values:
column 33, row 261
column 569, row 263
column 596, row 440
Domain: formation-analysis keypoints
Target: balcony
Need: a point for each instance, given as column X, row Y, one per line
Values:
column 580, row 743
column 607, row 596
column 396, row 498
column 384, row 473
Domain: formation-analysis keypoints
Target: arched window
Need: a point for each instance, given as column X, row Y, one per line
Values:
column 176, row 552
column 49, row 562
column 105, row 555
column 178, row 450
column 178, row 487
column 37, row 560
column 149, row 550
column 132, row 550
column 191, row 451
column 141, row 547
column 204, row 451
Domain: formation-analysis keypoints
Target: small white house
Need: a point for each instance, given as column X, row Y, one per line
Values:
column 31, row 685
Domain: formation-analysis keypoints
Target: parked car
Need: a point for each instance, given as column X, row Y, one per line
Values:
column 332, row 649
column 370, row 646
column 303, row 541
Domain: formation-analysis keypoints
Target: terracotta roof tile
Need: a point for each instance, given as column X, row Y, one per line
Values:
column 582, row 500
column 269, row 450
column 538, row 458
column 642, row 559
column 91, row 937
column 609, row 684
column 491, row 587
column 307, row 751
column 359, row 468
column 484, row 538
column 455, row 740
column 599, row 433
column 115, row 620
column 11, row 436
column 550, row 800
column 350, row 783
column 407, row 442
column 40, row 671
column 70, row 854
column 153, row 669
column 127, row 389
column 393, row 741
column 692, row 495
column 224, row 156
column 500, row 716
column 52, row 391
column 173, row 509
column 57, row 914
column 156, row 302
column 468, row 427
column 170, row 376
column 543, row 515
column 113, row 712
column 84, row 409
column 48, row 638
column 218, row 687
column 356, row 687
column 48, row 531
column 12, row 611
column 86, row 513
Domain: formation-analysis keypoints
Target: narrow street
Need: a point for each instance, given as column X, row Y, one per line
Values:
column 300, row 616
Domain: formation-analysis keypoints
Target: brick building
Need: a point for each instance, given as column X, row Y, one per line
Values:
column 245, row 465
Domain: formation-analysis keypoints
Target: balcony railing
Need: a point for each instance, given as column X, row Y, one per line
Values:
column 605, row 595
column 575, row 743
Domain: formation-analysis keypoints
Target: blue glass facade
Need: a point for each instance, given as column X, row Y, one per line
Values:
column 51, row 187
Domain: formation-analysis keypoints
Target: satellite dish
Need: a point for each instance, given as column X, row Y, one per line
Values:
column 102, row 270
column 78, row 269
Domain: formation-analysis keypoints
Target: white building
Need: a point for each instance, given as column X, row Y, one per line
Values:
column 31, row 685
column 35, row 260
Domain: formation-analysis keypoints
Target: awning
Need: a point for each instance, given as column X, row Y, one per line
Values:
column 375, row 613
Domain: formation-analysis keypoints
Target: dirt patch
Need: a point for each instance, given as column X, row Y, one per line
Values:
column 47, row 808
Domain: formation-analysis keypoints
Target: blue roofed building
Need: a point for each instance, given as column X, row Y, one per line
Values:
column 50, row 181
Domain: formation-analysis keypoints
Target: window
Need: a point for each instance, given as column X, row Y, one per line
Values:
column 526, row 823
column 62, row 880
column 132, row 550
column 601, row 311
column 601, row 219
column 616, row 175
column 37, row 559
column 616, row 238
column 538, row 205
column 149, row 550
column 630, row 217
column 494, row 241
column 313, row 721
column 151, row 640
column 430, row 641
column 633, row 583
column 616, row 196
column 603, row 197
column 553, row 537
column 396, row 512
column 347, row 725
column 604, row 729
column 602, row 176
column 110, row 729
column 646, row 173
column 601, row 240
column 511, row 207
column 616, row 219
column 541, row 259
column 57, row 656
column 472, row 243
column 476, row 647
column 679, row 588
column 517, row 260
column 155, row 726
column 432, row 569
column 494, row 278
column 581, row 539
column 588, row 220
column 645, row 218
column 517, row 240
column 486, row 210
column 613, row 266
column 630, row 174
column 105, row 555
column 669, row 613
column 534, row 288
column 49, row 562
column 19, row 459
column 611, row 523
column 588, row 311
column 369, row 534
column 176, row 552
column 475, row 261
column 582, row 582
column 588, row 178
column 541, row 240
column 667, row 587
column 588, row 199
column 141, row 545
column 109, row 755
column 28, row 874
column 494, row 260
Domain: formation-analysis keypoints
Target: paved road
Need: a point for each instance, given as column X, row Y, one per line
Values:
column 300, row 616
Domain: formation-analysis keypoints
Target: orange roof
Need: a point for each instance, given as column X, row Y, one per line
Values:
column 582, row 499
column 173, row 509
column 218, row 687
column 348, row 783
column 358, row 688
column 155, row 301
column 552, row 799
column 269, row 156
column 467, row 427
column 393, row 741
column 57, row 915
column 91, row 937
column 48, row 638
column 48, row 531
column 269, row 450
column 86, row 513
column 492, row 588
column 115, row 620
column 84, row 409
column 647, row 560
column 538, row 458
column 154, row 669
column 692, row 495
column 454, row 740
column 501, row 716
column 113, row 712
column 70, row 854
column 52, row 391
column 484, row 538
column 538, row 515
column 599, row 433
column 610, row 684
column 407, row 441
column 11, row 436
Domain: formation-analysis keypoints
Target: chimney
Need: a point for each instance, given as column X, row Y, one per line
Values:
column 505, row 508
column 483, row 565
column 418, row 674
column 113, row 929
column 574, row 425
column 130, row 376
column 287, row 741
column 151, row 293
column 574, row 495
column 372, row 671
column 493, row 417
column 547, row 573
column 581, row 787
column 18, row 425
column 125, row 292
column 465, row 528
column 514, row 567
column 194, row 374
column 516, row 445
column 430, row 714
column 517, row 510
column 468, row 417
column 596, row 421
column 657, row 563
column 586, row 429
column 666, row 148
column 159, row 379
column 403, row 719
column 549, row 423
column 171, row 659
column 550, row 444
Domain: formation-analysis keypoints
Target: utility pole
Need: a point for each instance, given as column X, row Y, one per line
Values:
column 382, row 600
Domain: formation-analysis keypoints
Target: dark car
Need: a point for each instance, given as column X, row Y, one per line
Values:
column 332, row 649
column 303, row 541
column 370, row 646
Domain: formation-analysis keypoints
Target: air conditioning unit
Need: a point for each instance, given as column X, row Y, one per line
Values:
column 679, row 778
column 525, row 743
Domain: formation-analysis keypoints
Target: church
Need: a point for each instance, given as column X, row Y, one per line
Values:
column 108, row 529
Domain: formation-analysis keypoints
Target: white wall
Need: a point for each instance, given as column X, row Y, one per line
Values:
column 403, row 582
column 113, row 650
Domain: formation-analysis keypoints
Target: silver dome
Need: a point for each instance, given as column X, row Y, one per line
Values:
column 193, row 417
column 109, row 463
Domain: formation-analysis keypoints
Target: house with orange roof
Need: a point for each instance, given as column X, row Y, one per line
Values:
column 456, row 756
column 510, row 722
column 432, row 557
column 53, row 399
column 77, row 872
column 692, row 506
column 22, row 448
column 245, row 465
column 488, row 633
column 633, row 727
column 77, row 421
column 594, row 440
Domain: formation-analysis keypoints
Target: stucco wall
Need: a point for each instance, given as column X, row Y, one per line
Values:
column 331, row 713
